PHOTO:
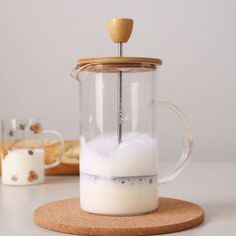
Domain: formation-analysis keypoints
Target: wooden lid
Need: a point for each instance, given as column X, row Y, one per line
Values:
column 114, row 64
column 121, row 60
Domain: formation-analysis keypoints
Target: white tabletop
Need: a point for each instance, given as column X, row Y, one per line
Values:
column 209, row 184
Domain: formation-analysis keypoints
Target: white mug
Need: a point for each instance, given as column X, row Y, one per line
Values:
column 22, row 150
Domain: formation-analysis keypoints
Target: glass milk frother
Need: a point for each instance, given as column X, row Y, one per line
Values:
column 118, row 125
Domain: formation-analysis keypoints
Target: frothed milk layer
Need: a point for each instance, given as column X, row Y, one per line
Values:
column 23, row 167
column 135, row 156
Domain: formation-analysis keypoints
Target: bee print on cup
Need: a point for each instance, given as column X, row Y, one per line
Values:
column 14, row 178
column 4, row 152
column 22, row 126
column 32, row 176
column 30, row 152
column 36, row 128
column 11, row 133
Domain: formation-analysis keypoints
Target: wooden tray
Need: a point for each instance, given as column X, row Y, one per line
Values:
column 66, row 216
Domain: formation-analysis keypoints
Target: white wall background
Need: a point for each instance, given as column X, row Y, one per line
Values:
column 40, row 41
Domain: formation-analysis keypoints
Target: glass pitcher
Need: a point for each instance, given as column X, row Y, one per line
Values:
column 119, row 135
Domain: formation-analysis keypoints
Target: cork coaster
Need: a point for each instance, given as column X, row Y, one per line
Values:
column 66, row 216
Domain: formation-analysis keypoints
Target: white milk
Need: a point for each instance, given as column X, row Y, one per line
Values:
column 119, row 179
column 20, row 167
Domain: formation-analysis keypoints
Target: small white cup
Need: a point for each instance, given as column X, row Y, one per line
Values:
column 22, row 152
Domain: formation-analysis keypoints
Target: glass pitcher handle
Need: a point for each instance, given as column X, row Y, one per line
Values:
column 58, row 160
column 187, row 144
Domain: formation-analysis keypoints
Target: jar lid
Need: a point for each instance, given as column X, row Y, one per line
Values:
column 119, row 60
column 114, row 64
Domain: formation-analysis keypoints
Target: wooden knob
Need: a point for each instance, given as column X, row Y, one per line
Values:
column 120, row 29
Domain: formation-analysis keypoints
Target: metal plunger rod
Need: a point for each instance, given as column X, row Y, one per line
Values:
column 119, row 93
column 120, row 30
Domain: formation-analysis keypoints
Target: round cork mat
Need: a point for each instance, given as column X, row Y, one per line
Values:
column 66, row 216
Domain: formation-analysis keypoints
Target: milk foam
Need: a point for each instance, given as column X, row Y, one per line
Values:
column 135, row 156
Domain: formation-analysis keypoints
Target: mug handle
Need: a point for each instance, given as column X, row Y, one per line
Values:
column 187, row 143
column 58, row 160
